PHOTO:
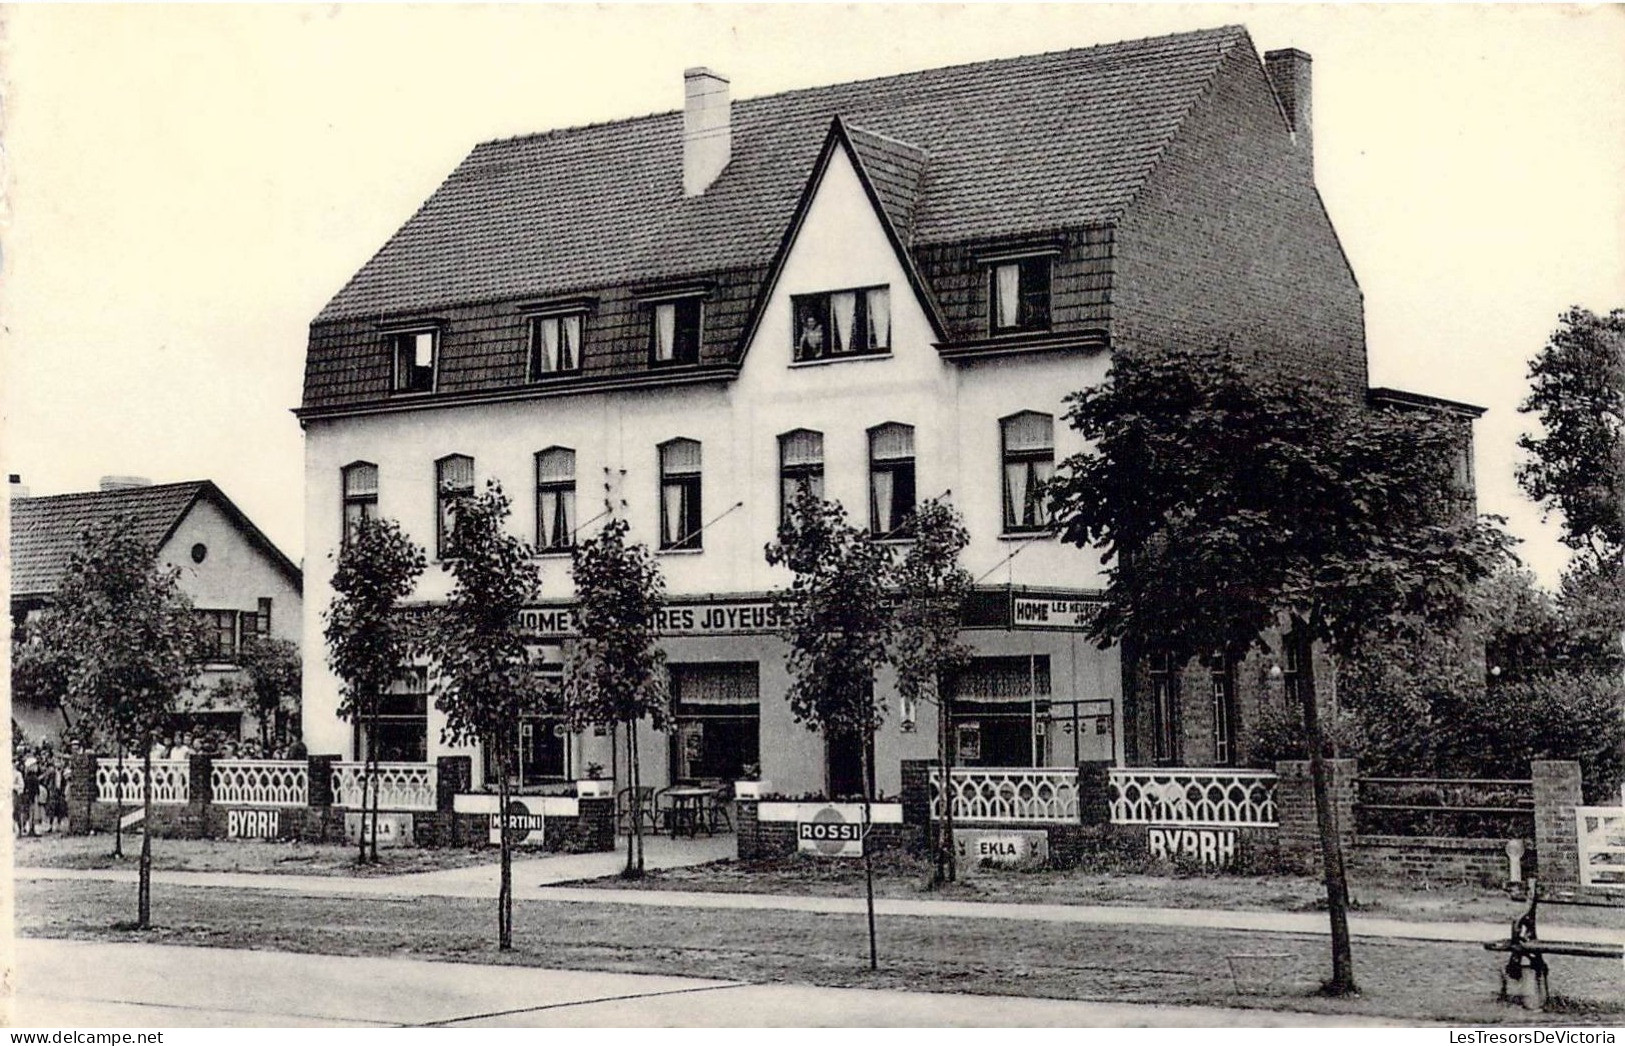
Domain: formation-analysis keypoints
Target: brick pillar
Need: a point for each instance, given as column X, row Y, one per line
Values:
column 321, row 779
column 1299, row 832
column 200, row 796
column 1094, row 793
column 81, row 791
column 1557, row 841
column 597, row 816
column 453, row 774
column 747, row 844
column 917, row 791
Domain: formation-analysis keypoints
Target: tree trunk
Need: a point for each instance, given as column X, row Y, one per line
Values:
column 1331, row 853
column 634, row 867
column 947, row 864
column 370, row 778
column 118, row 807
column 505, row 889
column 868, row 851
column 143, row 904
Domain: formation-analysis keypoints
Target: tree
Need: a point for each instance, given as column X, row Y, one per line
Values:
column 837, row 618
column 930, row 598
column 369, row 639
column 126, row 642
column 1228, row 497
column 1577, row 466
column 485, row 679
column 269, row 686
column 616, row 670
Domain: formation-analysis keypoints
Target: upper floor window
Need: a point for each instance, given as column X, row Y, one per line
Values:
column 1019, row 293
column 675, row 337
column 801, row 467
column 680, row 494
column 414, row 353
column 453, row 480
column 1029, row 463
column 360, row 496
column 842, row 323
column 555, row 499
column 555, row 344
column 219, row 628
column 891, row 478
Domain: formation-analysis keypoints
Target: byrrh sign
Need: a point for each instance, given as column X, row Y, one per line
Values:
column 721, row 618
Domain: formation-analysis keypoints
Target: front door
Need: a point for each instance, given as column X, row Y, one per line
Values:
column 844, row 758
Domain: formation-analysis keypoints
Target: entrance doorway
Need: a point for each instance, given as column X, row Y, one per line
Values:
column 843, row 755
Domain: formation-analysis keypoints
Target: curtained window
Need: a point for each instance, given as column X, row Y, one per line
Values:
column 801, row 467
column 454, row 479
column 680, row 494
column 1164, row 707
column 716, row 720
column 360, row 496
column 555, row 344
column 891, row 479
column 1224, row 712
column 555, row 499
column 414, row 355
column 1019, row 295
column 841, row 323
column 1029, row 462
column 675, row 337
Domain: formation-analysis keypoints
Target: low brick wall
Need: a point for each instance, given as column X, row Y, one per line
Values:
column 757, row 840
column 1435, row 858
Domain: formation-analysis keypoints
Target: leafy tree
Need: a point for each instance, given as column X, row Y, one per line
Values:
column 930, row 599
column 269, row 687
column 837, row 619
column 125, row 641
column 1228, row 496
column 616, row 674
column 369, row 639
column 485, row 679
column 1577, row 466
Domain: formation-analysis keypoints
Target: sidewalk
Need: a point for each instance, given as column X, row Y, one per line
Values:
column 535, row 879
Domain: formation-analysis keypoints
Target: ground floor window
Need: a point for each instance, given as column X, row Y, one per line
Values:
column 1224, row 712
column 542, row 753
column 716, row 711
column 402, row 734
column 1164, row 708
column 1000, row 708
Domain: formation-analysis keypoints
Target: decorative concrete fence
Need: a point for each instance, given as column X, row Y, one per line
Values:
column 171, row 780
column 1008, row 796
column 400, row 786
column 260, row 782
column 1192, row 797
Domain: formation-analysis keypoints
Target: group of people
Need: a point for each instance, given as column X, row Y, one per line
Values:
column 223, row 746
column 39, row 789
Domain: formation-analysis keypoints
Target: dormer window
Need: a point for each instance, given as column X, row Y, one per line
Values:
column 555, row 345
column 1019, row 295
column 841, row 323
column 414, row 354
column 675, row 336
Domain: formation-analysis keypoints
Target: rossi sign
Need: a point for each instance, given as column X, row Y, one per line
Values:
column 1209, row 847
column 831, row 832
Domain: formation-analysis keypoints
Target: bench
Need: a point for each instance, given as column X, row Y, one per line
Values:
column 1527, row 950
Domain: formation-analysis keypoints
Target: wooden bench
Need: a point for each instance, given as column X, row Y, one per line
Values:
column 1527, row 950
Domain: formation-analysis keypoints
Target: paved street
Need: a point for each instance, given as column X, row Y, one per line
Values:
column 75, row 983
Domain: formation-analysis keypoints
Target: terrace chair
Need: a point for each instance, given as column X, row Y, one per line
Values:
column 630, row 811
column 716, row 808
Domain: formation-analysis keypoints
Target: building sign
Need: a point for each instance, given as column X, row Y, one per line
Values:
column 525, row 824
column 832, row 833
column 725, row 618
column 1010, row 849
column 253, row 824
column 1064, row 614
column 1209, row 847
column 393, row 829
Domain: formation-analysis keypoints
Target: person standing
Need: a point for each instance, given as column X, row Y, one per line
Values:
column 30, row 797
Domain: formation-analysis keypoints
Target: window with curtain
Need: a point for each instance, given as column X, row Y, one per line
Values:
column 414, row 355
column 360, row 496
column 801, row 467
column 1019, row 295
column 891, row 479
column 555, row 344
column 675, row 336
column 1164, row 708
column 716, row 720
column 1224, row 712
column 1029, row 463
column 219, row 630
column 996, row 704
column 841, row 323
column 680, row 494
column 453, row 479
column 555, row 499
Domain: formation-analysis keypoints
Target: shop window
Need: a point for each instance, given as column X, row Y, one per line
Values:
column 999, row 707
column 541, row 750
column 1019, row 295
column 1028, row 441
column 414, row 354
column 1164, row 708
column 219, row 636
column 555, row 500
column 675, row 335
column 453, row 480
column 555, row 344
column 403, row 720
column 360, row 496
column 891, row 479
column 680, row 494
column 1222, row 679
column 716, row 710
column 801, row 467
column 842, row 323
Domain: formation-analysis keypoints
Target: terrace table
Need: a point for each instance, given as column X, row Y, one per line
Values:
column 688, row 810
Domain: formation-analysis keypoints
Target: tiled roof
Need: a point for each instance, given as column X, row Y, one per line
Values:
column 1049, row 141
column 45, row 531
column 895, row 169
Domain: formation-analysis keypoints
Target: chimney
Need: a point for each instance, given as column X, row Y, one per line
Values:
column 16, row 484
column 1288, row 70
column 707, row 129
column 124, row 482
